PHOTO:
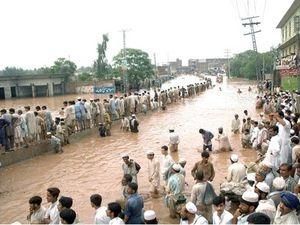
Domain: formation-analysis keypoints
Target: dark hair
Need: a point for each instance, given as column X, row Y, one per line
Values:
column 288, row 166
column 96, row 199
column 205, row 154
column 44, row 107
column 128, row 177
column 295, row 140
column 281, row 114
column 68, row 215
column 54, row 191
column 258, row 218
column 3, row 110
column 133, row 186
column 66, row 202
column 36, row 113
column 35, row 200
column 199, row 175
column 38, row 107
column 164, row 147
column 115, row 208
column 154, row 221
column 12, row 110
column 201, row 131
column 275, row 128
column 218, row 200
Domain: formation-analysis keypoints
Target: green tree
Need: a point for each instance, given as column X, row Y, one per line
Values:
column 100, row 65
column 138, row 66
column 12, row 71
column 63, row 66
column 247, row 64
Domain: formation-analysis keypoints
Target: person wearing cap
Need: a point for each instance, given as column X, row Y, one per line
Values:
column 130, row 167
column 235, row 124
column 248, row 204
column 262, row 189
column 197, row 196
column 285, row 171
column 173, row 140
column 79, row 115
column 267, row 207
column 277, row 188
column 206, row 166
column 153, row 172
column 221, row 215
column 174, row 189
column 250, row 181
column 223, row 141
column 286, row 210
column 236, row 171
column 150, row 217
column 189, row 215
column 134, row 124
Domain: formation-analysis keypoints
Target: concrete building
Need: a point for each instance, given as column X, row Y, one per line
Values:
column 174, row 66
column 288, row 66
column 31, row 86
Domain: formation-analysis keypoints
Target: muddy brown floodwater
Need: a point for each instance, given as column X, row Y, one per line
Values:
column 93, row 164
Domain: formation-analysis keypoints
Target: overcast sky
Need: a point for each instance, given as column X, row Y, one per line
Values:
column 36, row 32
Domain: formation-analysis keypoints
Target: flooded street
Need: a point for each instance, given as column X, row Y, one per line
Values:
column 93, row 164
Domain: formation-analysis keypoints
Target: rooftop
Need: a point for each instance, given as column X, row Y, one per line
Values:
column 289, row 13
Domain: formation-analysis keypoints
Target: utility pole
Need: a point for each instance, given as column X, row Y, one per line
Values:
column 251, row 24
column 227, row 55
column 125, row 80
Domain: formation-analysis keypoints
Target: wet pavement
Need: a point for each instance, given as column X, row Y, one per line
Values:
column 93, row 164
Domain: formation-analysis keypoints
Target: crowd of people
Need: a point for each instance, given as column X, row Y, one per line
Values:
column 21, row 128
column 266, row 191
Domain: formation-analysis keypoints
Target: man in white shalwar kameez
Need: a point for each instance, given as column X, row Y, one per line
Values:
column 166, row 163
column 273, row 152
column 284, row 134
column 153, row 172
column 31, row 123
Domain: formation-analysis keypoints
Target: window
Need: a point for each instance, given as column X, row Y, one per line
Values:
column 290, row 29
column 296, row 24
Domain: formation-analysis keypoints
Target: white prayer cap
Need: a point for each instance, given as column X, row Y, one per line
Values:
column 124, row 155
column 49, row 133
column 150, row 152
column 267, row 163
column 182, row 160
column 267, row 207
column 261, row 114
column 91, row 99
column 16, row 223
column 292, row 131
column 234, row 157
column 149, row 215
column 133, row 115
column 250, row 196
column 251, row 176
column 191, row 208
column 279, row 183
column 78, row 98
column 262, row 186
column 176, row 167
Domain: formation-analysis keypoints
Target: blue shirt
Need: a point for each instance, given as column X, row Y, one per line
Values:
column 134, row 208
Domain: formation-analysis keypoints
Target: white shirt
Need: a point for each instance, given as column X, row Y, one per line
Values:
column 290, row 218
column 116, row 221
column 166, row 163
column 101, row 216
column 225, row 218
column 273, row 153
column 199, row 220
column 53, row 213
column 235, row 124
column 38, row 216
column 236, row 172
